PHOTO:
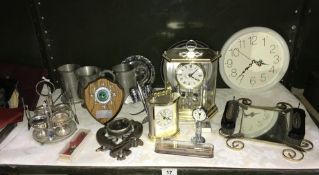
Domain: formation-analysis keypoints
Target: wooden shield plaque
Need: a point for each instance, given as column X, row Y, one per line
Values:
column 103, row 99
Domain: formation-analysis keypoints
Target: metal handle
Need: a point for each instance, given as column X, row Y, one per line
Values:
column 107, row 71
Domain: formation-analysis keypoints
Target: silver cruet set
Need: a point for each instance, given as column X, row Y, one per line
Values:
column 51, row 122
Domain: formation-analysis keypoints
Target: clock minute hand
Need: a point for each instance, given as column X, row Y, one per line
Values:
column 258, row 63
column 244, row 55
column 191, row 74
column 250, row 64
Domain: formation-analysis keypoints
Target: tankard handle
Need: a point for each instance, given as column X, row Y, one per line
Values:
column 107, row 71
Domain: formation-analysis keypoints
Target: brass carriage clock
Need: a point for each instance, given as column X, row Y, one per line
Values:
column 163, row 110
column 191, row 69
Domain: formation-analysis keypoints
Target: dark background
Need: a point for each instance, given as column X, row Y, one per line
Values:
column 103, row 33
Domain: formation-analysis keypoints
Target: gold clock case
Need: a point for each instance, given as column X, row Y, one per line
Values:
column 163, row 99
column 203, row 95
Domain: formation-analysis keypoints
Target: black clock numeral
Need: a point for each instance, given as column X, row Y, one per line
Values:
column 229, row 63
column 252, row 40
column 264, row 41
column 242, row 43
column 276, row 59
column 272, row 49
column 233, row 72
column 252, row 80
column 263, row 77
column 272, row 69
column 234, row 52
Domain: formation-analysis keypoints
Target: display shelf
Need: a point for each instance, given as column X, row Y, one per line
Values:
column 20, row 153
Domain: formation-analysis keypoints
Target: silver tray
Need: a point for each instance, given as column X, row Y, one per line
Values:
column 40, row 135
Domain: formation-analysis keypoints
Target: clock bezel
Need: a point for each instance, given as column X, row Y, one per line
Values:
column 234, row 38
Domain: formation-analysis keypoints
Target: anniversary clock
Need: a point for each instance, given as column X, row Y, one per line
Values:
column 254, row 59
column 190, row 68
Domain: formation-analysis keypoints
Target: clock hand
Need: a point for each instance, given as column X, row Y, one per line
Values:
column 252, row 114
column 195, row 78
column 244, row 55
column 191, row 74
column 258, row 63
column 250, row 64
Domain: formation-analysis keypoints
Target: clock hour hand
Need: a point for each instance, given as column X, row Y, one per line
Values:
column 164, row 116
column 252, row 114
column 195, row 78
column 258, row 63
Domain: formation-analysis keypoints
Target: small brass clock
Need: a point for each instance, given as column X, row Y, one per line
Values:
column 254, row 59
column 163, row 114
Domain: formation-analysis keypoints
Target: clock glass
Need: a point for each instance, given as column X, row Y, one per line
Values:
column 189, row 75
column 254, row 59
column 164, row 118
column 257, row 122
column 165, row 123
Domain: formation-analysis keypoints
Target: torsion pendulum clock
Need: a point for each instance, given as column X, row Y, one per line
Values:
column 190, row 68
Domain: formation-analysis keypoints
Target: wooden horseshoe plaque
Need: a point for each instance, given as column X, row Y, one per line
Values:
column 103, row 99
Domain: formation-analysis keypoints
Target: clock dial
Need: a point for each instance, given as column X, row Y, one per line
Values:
column 199, row 114
column 165, row 122
column 189, row 75
column 164, row 118
column 257, row 122
column 254, row 59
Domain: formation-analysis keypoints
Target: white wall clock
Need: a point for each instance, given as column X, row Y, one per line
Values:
column 254, row 59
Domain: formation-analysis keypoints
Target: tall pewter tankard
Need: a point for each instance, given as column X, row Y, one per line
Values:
column 125, row 76
column 85, row 75
column 69, row 83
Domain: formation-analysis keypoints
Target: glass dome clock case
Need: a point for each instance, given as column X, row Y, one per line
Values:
column 190, row 68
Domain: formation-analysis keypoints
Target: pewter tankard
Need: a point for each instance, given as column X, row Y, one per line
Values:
column 69, row 83
column 125, row 76
column 86, row 74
